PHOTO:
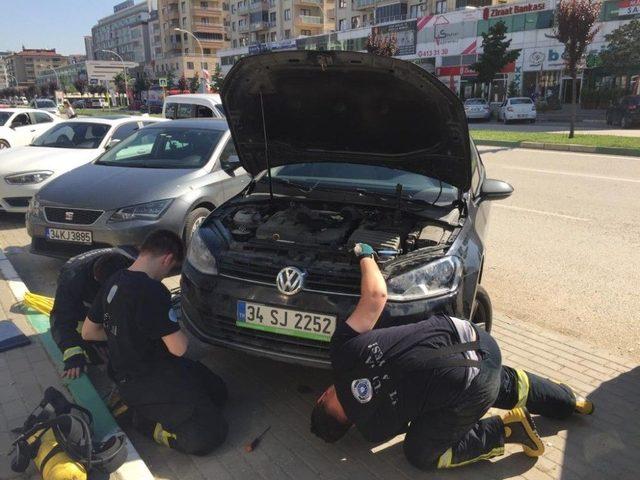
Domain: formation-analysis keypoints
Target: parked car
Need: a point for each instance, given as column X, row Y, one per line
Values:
column 193, row 105
column 517, row 108
column 271, row 272
column 45, row 104
column 477, row 109
column 79, row 103
column 169, row 175
column 66, row 145
column 19, row 126
column 625, row 113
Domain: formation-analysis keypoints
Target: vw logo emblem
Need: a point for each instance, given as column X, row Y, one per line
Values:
column 290, row 280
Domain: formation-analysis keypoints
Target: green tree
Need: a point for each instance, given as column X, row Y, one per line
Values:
column 496, row 54
column 216, row 79
column 575, row 29
column 194, row 83
column 142, row 84
column 119, row 81
column 622, row 54
column 171, row 78
column 30, row 92
column 182, row 83
column 513, row 91
column 81, row 85
column 386, row 46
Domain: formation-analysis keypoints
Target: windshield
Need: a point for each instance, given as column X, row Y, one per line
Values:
column 520, row 101
column 167, row 147
column 45, row 104
column 73, row 135
column 475, row 101
column 368, row 178
column 4, row 116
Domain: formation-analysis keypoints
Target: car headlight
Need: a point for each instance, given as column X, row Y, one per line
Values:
column 144, row 211
column 28, row 178
column 200, row 257
column 437, row 278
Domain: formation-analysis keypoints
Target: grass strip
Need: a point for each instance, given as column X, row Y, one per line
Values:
column 557, row 138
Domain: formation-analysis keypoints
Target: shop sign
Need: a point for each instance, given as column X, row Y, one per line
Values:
column 404, row 34
column 543, row 58
column 515, row 9
column 628, row 7
column 466, row 46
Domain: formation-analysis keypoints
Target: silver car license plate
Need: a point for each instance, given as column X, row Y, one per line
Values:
column 70, row 236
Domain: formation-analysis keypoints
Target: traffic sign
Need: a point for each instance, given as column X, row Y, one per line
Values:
column 162, row 82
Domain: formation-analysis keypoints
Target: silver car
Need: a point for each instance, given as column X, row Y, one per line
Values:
column 169, row 175
column 477, row 109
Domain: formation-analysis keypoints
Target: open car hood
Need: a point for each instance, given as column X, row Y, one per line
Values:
column 346, row 107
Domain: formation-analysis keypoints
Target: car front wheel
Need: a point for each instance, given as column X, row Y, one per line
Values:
column 194, row 220
column 4, row 144
column 482, row 310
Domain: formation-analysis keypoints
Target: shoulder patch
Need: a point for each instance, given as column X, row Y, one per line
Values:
column 361, row 390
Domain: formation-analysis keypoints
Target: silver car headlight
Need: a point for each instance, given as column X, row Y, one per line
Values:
column 435, row 279
column 144, row 211
column 28, row 178
column 200, row 257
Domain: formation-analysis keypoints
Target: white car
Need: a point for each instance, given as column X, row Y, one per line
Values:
column 45, row 104
column 193, row 105
column 517, row 108
column 67, row 145
column 19, row 126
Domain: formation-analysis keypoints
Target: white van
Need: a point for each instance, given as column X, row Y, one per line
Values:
column 193, row 105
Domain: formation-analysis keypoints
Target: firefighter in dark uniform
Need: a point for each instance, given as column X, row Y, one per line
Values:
column 176, row 401
column 433, row 380
column 78, row 283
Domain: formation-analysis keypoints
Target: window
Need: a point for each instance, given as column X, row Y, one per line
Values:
column 123, row 131
column 233, row 26
column 451, row 61
column 287, row 14
column 518, row 23
column 186, row 50
column 73, row 135
column 272, row 17
column 306, row 33
column 355, row 21
column 545, row 19
column 342, row 4
column 42, row 117
column 233, row 8
column 207, row 51
column 204, row 5
column 184, row 110
column 530, row 21
column 342, row 24
column 414, row 11
column 190, row 65
column 441, row 6
column 228, row 152
column 272, row 36
column 203, row 111
column 205, row 20
column 184, row 22
column 183, row 6
column 21, row 120
column 287, row 34
column 305, row 11
column 234, row 43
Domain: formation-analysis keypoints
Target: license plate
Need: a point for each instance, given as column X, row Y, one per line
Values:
column 315, row 326
column 520, row 115
column 70, row 236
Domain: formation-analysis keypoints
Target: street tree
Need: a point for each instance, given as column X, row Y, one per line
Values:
column 194, row 83
column 182, row 84
column 81, row 85
column 386, row 46
column 171, row 78
column 216, row 79
column 575, row 28
column 622, row 53
column 495, row 54
column 51, row 88
column 120, row 83
column 142, row 84
column 43, row 90
column 31, row 91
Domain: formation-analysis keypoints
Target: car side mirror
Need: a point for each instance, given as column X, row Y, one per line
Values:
column 495, row 190
column 112, row 143
column 230, row 163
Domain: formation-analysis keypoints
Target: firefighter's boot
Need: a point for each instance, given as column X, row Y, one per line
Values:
column 519, row 428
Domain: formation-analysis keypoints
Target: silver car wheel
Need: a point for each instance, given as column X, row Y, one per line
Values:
column 197, row 224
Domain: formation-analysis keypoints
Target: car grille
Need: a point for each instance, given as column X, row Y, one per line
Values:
column 72, row 216
column 318, row 280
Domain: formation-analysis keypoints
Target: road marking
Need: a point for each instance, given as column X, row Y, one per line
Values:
column 570, row 174
column 541, row 212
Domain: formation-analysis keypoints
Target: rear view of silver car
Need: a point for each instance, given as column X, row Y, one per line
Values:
column 477, row 109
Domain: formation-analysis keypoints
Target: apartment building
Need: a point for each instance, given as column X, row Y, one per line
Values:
column 181, row 52
column 5, row 79
column 88, row 47
column 124, row 32
column 259, row 21
column 26, row 65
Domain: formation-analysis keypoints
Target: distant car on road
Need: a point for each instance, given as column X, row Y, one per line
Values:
column 517, row 108
column 79, row 104
column 45, row 104
column 625, row 113
column 193, row 105
column 170, row 175
column 19, row 126
column 477, row 109
column 66, row 145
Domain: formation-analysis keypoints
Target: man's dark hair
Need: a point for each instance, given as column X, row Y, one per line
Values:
column 326, row 426
column 108, row 264
column 162, row 242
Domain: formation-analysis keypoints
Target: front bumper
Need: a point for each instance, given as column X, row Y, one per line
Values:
column 16, row 198
column 104, row 233
column 209, row 312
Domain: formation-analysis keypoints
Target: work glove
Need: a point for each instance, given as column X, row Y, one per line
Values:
column 75, row 362
column 363, row 250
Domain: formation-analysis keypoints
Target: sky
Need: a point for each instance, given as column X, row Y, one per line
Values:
column 59, row 24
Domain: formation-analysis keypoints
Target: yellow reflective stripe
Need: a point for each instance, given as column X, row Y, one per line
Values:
column 72, row 351
column 446, row 460
column 523, row 388
column 161, row 436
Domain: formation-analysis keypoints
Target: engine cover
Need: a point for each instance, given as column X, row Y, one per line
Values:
column 379, row 240
column 297, row 227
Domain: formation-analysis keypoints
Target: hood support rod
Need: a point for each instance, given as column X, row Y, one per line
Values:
column 266, row 148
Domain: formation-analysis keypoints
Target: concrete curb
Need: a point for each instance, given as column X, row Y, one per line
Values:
column 561, row 147
column 82, row 389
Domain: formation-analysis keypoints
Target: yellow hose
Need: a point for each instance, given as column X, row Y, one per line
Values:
column 39, row 303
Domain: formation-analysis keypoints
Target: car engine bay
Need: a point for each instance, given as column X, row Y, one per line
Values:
column 335, row 228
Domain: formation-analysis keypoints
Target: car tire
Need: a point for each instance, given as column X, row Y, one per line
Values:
column 4, row 144
column 482, row 310
column 194, row 220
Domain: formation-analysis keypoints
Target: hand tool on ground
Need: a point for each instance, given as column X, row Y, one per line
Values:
column 250, row 447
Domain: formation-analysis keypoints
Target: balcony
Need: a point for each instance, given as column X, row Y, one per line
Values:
column 243, row 28
column 257, row 26
column 208, row 27
column 364, row 4
column 331, row 13
column 242, row 10
column 257, row 6
column 210, row 9
column 315, row 3
column 272, row 24
column 310, row 19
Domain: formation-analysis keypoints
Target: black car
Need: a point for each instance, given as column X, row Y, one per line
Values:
column 362, row 148
column 625, row 113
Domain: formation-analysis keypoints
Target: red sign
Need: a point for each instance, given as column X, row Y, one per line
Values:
column 513, row 10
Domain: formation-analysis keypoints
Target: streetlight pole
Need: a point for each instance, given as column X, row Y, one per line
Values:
column 203, row 86
column 124, row 68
